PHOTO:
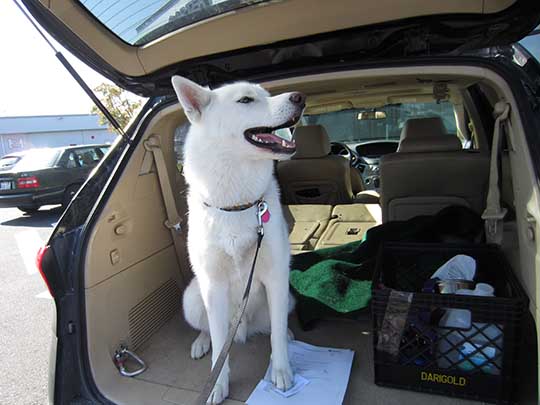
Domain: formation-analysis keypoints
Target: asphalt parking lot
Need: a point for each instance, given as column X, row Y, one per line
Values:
column 26, row 308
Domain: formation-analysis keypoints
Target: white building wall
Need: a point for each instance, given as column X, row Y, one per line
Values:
column 21, row 133
column 99, row 136
column 16, row 142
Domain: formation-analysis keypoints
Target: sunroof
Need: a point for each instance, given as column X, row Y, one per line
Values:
column 140, row 21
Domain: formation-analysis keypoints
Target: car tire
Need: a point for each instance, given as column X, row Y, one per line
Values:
column 68, row 194
column 28, row 210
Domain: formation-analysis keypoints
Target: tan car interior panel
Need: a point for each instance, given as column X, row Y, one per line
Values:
column 306, row 225
column 424, row 180
column 126, row 218
column 320, row 226
column 234, row 30
column 349, row 223
column 134, row 283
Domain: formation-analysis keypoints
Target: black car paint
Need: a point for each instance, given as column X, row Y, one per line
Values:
column 64, row 261
column 54, row 180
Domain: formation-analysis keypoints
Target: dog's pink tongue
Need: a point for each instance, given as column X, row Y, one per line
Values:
column 276, row 139
column 267, row 136
column 266, row 216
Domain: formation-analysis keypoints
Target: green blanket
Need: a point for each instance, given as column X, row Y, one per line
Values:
column 326, row 282
column 336, row 282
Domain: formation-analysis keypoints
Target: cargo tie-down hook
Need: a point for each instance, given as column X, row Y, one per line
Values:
column 121, row 356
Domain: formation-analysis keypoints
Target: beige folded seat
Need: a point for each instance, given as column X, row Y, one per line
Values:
column 349, row 223
column 306, row 223
column 431, row 171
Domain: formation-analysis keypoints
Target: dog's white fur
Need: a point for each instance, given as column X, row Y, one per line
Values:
column 223, row 169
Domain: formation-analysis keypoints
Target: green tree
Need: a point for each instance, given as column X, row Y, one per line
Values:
column 118, row 103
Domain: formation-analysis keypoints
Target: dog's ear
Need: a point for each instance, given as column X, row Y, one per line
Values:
column 192, row 97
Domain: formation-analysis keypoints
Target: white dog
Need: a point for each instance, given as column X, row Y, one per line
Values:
column 228, row 165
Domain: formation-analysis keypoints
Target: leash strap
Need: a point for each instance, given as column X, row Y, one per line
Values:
column 174, row 221
column 218, row 366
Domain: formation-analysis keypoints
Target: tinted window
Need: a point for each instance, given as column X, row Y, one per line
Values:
column 141, row 21
column 532, row 43
column 364, row 125
column 71, row 161
column 103, row 149
column 87, row 157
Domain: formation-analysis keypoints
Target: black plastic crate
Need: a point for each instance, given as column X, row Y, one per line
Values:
column 478, row 363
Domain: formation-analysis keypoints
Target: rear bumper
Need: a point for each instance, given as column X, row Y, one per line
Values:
column 17, row 200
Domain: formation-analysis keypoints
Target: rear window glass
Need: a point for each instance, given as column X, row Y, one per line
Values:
column 383, row 123
column 7, row 161
column 37, row 159
column 140, row 21
column 104, row 149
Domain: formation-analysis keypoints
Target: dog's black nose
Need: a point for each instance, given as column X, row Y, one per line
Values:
column 298, row 98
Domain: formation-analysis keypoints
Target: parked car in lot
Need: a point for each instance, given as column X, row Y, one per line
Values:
column 48, row 176
column 8, row 161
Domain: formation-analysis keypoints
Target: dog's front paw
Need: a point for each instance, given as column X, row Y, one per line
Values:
column 200, row 346
column 282, row 377
column 218, row 395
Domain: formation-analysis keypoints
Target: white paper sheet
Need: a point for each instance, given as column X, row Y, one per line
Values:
column 298, row 383
column 323, row 375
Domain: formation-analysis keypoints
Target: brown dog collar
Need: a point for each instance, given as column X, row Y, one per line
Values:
column 235, row 208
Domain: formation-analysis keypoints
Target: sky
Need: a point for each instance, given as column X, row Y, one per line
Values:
column 32, row 80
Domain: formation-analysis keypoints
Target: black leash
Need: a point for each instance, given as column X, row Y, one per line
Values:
column 262, row 207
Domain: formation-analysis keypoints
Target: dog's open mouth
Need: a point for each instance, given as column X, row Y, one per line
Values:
column 267, row 137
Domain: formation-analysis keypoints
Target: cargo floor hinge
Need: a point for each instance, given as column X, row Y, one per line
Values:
column 122, row 356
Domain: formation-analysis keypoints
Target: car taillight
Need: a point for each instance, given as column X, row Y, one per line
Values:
column 39, row 263
column 27, row 182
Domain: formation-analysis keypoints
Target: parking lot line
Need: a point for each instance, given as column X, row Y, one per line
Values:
column 45, row 295
column 28, row 243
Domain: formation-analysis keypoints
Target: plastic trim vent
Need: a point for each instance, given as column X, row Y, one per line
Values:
column 153, row 312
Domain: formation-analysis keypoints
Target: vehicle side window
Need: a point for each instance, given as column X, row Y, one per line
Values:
column 71, row 161
column 532, row 43
column 87, row 157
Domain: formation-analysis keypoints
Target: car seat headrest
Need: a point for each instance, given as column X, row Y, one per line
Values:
column 312, row 141
column 427, row 135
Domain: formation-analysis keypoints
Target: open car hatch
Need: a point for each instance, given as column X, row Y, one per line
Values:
column 140, row 44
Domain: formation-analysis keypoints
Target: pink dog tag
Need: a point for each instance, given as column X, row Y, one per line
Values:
column 265, row 217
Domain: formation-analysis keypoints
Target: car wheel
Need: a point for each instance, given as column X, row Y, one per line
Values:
column 68, row 194
column 28, row 210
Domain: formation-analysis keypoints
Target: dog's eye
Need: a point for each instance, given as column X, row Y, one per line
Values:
column 246, row 100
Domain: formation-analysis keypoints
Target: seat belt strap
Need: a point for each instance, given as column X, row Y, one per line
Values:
column 174, row 221
column 494, row 214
